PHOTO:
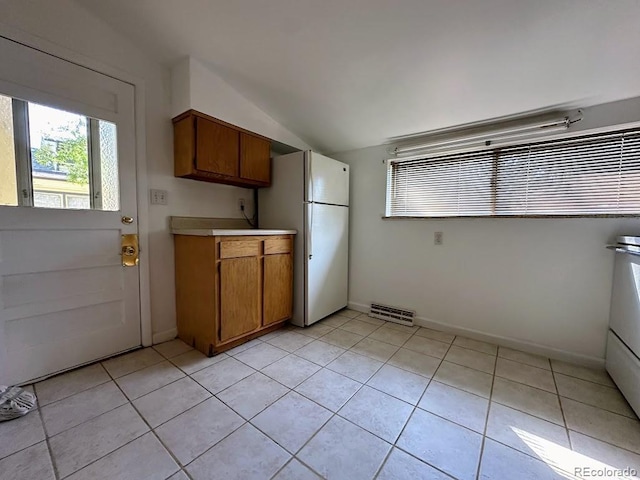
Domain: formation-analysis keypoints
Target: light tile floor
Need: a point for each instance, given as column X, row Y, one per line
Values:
column 349, row 398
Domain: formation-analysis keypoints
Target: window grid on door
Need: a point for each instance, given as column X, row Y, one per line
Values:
column 57, row 185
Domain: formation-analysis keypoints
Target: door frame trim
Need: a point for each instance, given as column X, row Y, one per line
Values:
column 45, row 46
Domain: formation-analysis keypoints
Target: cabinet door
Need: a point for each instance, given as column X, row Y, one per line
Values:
column 240, row 296
column 217, row 148
column 255, row 158
column 278, row 288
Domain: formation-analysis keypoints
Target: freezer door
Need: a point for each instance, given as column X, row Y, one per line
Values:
column 327, row 180
column 327, row 260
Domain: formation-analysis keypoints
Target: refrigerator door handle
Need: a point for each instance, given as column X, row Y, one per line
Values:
column 308, row 233
column 310, row 160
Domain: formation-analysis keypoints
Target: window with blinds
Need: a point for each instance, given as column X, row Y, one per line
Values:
column 589, row 175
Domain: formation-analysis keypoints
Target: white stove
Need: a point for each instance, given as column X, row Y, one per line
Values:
column 623, row 342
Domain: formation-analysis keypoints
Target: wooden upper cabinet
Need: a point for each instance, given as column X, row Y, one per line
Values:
column 217, row 148
column 255, row 158
column 209, row 149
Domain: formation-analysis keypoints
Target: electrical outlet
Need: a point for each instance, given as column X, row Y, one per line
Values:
column 159, row 197
column 437, row 238
column 241, row 204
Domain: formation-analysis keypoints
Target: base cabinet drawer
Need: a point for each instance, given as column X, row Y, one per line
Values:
column 248, row 248
column 277, row 245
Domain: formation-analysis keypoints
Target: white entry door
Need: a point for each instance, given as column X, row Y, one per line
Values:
column 67, row 197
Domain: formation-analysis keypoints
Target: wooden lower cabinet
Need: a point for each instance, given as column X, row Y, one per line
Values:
column 278, row 296
column 232, row 289
column 240, row 309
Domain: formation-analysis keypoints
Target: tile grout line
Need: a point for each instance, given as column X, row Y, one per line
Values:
column 294, row 455
column 362, row 384
column 264, row 433
column 334, row 414
column 556, row 424
column 565, row 425
column 386, row 458
column 88, row 419
column 394, row 445
column 54, row 466
column 384, row 363
column 151, row 430
column 127, row 400
column 497, row 355
column 75, row 393
column 43, row 430
column 525, row 384
column 248, row 420
column 486, row 420
column 254, row 426
column 432, row 379
column 599, row 408
column 491, row 402
column 603, row 441
column 286, row 464
column 217, row 443
column 222, row 356
column 580, row 378
column 142, row 349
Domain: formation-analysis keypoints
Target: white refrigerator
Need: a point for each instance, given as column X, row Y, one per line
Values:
column 310, row 193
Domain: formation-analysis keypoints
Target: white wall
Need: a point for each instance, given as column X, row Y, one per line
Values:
column 68, row 25
column 545, row 282
column 195, row 86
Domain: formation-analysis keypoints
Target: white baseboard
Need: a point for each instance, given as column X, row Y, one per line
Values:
column 358, row 307
column 529, row 347
column 165, row 336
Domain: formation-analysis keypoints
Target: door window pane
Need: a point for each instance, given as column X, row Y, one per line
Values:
column 47, row 199
column 50, row 158
column 59, row 154
column 8, row 185
column 77, row 202
column 110, row 187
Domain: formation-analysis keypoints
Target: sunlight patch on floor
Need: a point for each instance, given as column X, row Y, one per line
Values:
column 570, row 464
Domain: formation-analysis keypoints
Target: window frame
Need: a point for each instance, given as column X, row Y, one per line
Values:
column 389, row 163
column 24, row 171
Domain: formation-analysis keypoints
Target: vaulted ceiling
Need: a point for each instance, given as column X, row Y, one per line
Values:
column 344, row 74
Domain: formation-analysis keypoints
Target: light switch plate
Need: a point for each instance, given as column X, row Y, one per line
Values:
column 437, row 238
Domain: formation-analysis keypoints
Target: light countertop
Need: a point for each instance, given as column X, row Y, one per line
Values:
column 215, row 232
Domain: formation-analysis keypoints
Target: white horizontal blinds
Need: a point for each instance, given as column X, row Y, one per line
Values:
column 584, row 176
column 454, row 185
column 589, row 175
column 629, row 194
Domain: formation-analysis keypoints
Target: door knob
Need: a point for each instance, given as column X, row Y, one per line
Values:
column 129, row 250
column 127, row 220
